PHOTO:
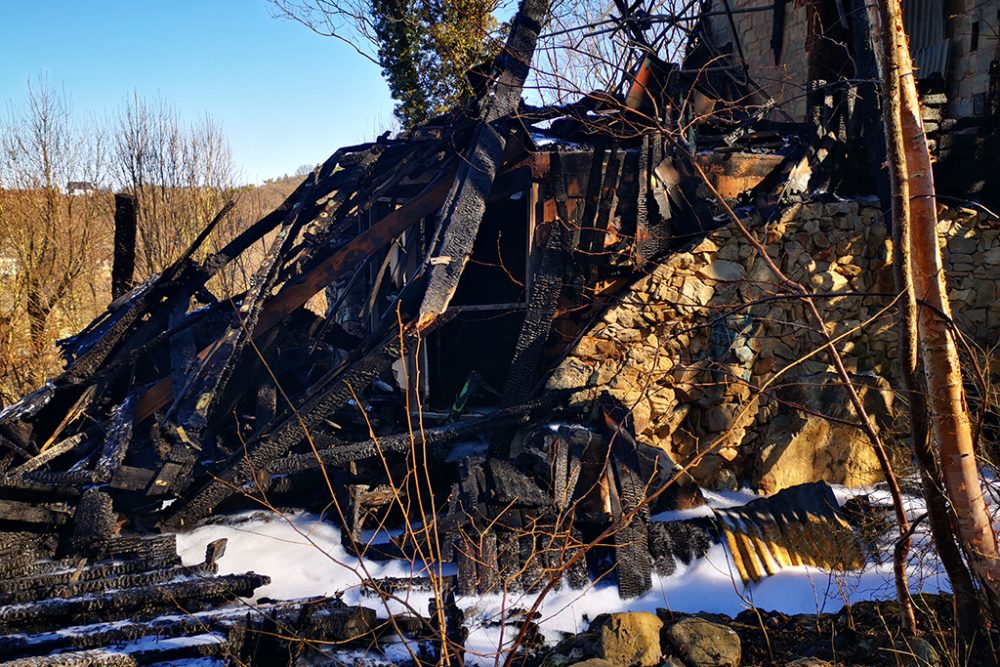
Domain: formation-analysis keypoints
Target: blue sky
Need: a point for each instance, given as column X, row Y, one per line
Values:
column 284, row 95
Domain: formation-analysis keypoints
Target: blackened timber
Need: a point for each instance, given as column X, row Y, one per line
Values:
column 44, row 514
column 652, row 230
column 189, row 594
column 68, row 585
column 71, row 572
column 88, row 354
column 402, row 442
column 201, row 395
column 117, row 439
column 612, row 176
column 158, row 548
column 52, row 452
column 183, row 349
column 20, row 551
column 297, row 293
column 19, row 488
column 126, row 224
column 543, row 299
column 185, row 276
column 94, row 519
column 592, row 200
column 633, row 565
column 320, row 620
column 867, row 74
column 333, row 394
column 265, row 225
column 465, row 203
column 92, row 658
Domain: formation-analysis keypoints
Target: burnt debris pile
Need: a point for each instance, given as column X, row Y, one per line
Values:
column 458, row 264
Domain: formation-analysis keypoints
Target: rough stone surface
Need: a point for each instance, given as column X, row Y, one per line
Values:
column 668, row 348
column 918, row 652
column 631, row 638
column 700, row 643
column 808, row 662
column 798, row 451
column 572, row 650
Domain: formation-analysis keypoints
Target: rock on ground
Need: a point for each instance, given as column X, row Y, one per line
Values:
column 631, row 638
column 700, row 643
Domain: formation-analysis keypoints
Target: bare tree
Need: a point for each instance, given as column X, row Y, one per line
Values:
column 588, row 47
column 180, row 176
column 50, row 236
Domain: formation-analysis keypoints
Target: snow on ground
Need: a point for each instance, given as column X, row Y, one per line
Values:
column 304, row 557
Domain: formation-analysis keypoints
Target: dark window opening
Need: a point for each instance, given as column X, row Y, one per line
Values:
column 975, row 36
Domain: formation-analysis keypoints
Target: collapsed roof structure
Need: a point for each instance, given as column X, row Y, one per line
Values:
column 460, row 262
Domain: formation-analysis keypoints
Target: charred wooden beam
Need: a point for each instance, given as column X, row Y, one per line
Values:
column 72, row 585
column 48, row 454
column 117, row 438
column 629, row 510
column 92, row 658
column 319, row 620
column 543, row 299
column 95, row 518
column 45, row 514
column 298, row 292
column 155, row 548
column 330, row 397
column 465, row 202
column 188, row 595
column 126, row 224
column 431, row 438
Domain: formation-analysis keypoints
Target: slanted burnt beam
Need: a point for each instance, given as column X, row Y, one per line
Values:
column 296, row 294
column 543, row 299
column 465, row 202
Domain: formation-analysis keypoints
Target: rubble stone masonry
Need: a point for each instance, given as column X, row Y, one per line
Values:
column 707, row 349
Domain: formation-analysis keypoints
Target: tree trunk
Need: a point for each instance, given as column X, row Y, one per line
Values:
column 930, row 474
column 950, row 427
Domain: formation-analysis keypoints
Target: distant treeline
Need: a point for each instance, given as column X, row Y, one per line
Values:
column 58, row 173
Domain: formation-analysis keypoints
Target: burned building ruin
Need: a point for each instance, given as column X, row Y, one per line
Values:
column 469, row 267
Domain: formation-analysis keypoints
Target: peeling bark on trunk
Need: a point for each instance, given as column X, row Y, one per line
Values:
column 949, row 417
column 930, row 473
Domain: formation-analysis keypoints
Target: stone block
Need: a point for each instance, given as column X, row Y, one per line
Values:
column 700, row 643
column 630, row 638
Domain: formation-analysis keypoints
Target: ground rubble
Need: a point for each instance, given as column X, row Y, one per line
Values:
column 865, row 633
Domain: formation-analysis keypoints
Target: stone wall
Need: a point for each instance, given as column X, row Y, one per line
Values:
column 688, row 346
